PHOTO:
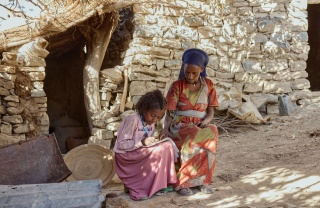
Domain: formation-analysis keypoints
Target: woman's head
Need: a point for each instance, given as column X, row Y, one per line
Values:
column 197, row 60
column 151, row 106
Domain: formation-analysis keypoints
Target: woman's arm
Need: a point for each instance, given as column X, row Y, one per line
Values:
column 167, row 122
column 208, row 118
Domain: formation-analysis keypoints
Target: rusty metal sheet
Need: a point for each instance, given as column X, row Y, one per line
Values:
column 32, row 162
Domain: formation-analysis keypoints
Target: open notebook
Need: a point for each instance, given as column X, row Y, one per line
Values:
column 175, row 149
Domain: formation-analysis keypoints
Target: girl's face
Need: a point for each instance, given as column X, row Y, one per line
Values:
column 153, row 115
column 192, row 73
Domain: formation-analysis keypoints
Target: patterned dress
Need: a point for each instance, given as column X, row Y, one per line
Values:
column 197, row 145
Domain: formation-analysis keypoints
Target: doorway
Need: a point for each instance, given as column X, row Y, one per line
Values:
column 313, row 62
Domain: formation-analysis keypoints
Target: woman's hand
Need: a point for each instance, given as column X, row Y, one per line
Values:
column 164, row 134
column 148, row 141
column 204, row 123
column 207, row 120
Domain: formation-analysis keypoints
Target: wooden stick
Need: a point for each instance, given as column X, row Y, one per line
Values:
column 125, row 91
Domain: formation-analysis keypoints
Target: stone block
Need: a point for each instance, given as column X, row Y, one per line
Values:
column 7, row 84
column 32, row 69
column 266, row 26
column 275, row 65
column 6, row 129
column 4, row 92
column 300, row 84
column 15, row 110
column 113, row 126
column 113, row 74
column 272, row 109
column 137, row 88
column 253, row 87
column 21, row 129
column 99, row 123
column 252, row 66
column 38, row 85
column 43, row 119
column 12, row 98
column 33, row 61
column 276, row 87
column 8, row 69
column 40, row 99
column 298, row 65
column 102, row 133
column 15, row 119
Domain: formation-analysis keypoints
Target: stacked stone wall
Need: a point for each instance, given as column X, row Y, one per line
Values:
column 258, row 48
column 255, row 48
column 23, row 102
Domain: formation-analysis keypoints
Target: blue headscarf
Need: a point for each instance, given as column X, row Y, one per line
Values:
column 197, row 57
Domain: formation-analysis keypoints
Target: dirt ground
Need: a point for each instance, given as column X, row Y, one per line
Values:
column 274, row 166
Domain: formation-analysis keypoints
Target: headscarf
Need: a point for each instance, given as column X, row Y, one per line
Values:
column 197, row 57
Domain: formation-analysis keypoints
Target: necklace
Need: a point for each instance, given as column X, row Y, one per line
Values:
column 194, row 84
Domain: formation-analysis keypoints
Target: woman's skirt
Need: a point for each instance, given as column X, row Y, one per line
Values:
column 197, row 148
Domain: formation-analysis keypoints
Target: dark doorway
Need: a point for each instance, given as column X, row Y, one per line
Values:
column 313, row 62
column 64, row 89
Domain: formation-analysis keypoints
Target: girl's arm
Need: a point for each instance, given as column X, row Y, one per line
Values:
column 126, row 131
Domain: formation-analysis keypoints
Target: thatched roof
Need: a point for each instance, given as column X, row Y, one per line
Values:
column 74, row 15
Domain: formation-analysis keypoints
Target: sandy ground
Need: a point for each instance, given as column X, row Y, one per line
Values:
column 274, row 166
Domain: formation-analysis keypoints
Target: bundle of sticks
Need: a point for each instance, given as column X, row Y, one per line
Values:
column 228, row 123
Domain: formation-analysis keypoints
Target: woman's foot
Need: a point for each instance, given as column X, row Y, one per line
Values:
column 206, row 189
column 185, row 192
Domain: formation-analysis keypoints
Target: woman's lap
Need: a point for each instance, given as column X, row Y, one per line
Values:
column 197, row 149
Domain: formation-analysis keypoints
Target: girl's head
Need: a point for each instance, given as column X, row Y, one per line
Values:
column 195, row 58
column 151, row 106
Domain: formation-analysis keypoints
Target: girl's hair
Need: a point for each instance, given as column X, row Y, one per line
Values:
column 151, row 100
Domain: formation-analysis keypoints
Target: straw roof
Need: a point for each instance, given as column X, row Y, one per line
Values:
column 50, row 26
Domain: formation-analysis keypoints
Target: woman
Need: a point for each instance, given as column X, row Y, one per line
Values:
column 143, row 166
column 190, row 109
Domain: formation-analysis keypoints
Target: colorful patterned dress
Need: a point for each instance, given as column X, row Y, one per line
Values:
column 197, row 145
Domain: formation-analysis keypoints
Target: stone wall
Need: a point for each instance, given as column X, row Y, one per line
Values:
column 23, row 102
column 258, row 48
column 255, row 48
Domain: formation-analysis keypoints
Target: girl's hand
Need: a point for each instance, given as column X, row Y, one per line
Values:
column 148, row 141
column 164, row 134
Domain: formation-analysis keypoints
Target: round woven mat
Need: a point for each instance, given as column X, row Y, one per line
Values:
column 89, row 162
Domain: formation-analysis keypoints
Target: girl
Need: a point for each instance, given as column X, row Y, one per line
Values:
column 142, row 167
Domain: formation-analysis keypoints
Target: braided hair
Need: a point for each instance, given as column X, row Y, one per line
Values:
column 151, row 100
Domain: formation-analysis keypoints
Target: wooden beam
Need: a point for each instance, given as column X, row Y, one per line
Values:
column 313, row 1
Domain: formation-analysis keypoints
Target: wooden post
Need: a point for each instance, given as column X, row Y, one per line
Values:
column 98, row 40
column 125, row 91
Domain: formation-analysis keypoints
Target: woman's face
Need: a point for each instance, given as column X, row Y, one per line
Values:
column 153, row 115
column 192, row 73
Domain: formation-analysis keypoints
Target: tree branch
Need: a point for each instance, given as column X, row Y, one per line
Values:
column 37, row 5
column 16, row 13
